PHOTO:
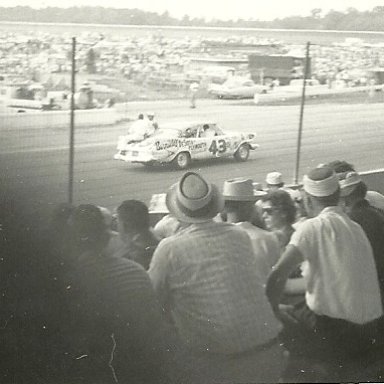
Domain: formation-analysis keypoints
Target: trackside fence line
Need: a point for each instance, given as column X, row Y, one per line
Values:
column 374, row 179
column 58, row 119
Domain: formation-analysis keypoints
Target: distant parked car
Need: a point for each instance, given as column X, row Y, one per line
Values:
column 237, row 88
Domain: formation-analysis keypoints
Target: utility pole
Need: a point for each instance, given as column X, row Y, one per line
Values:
column 72, row 124
column 306, row 72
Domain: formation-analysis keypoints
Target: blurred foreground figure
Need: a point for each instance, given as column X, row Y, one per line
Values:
column 115, row 326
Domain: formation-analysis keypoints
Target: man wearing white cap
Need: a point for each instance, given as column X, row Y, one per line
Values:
column 341, row 167
column 342, row 301
column 207, row 282
column 274, row 180
column 240, row 197
column 353, row 193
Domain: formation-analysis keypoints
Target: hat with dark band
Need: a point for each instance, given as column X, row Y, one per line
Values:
column 240, row 189
column 193, row 200
column 321, row 182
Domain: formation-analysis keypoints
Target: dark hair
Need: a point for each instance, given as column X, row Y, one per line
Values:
column 281, row 200
column 141, row 116
column 134, row 215
column 341, row 166
column 89, row 230
column 360, row 191
column 60, row 215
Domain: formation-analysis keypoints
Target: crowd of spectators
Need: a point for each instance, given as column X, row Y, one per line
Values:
column 234, row 284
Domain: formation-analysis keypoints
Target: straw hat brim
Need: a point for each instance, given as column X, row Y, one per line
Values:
column 214, row 207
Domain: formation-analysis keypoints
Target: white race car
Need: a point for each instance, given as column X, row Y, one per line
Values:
column 180, row 143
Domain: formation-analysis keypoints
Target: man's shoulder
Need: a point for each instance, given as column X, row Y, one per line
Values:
column 110, row 272
column 202, row 230
column 256, row 232
column 118, row 263
column 367, row 214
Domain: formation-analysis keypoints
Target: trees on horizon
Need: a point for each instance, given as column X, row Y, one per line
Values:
column 350, row 19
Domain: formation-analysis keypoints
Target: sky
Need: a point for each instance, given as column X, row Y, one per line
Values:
column 209, row 9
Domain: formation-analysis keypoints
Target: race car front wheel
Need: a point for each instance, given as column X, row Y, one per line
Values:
column 242, row 153
column 183, row 160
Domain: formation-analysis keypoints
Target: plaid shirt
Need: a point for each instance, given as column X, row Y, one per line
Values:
column 206, row 275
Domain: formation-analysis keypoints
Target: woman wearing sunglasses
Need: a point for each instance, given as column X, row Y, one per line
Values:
column 279, row 214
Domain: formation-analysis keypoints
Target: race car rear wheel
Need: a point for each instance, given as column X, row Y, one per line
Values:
column 242, row 153
column 182, row 160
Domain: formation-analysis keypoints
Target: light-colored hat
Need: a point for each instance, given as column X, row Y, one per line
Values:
column 321, row 182
column 274, row 178
column 158, row 204
column 193, row 200
column 349, row 183
column 240, row 189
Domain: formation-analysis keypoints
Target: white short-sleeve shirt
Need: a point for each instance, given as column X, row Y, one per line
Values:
column 340, row 272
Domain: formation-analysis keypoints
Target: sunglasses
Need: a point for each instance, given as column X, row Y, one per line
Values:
column 269, row 211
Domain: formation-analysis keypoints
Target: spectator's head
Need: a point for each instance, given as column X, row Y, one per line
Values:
column 240, row 197
column 352, row 189
column 194, row 200
column 60, row 216
column 321, row 186
column 298, row 200
column 341, row 166
column 141, row 116
column 274, row 180
column 151, row 115
column 133, row 217
column 89, row 231
column 278, row 209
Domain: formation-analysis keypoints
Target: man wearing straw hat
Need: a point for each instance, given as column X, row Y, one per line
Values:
column 206, row 280
column 240, row 198
column 342, row 301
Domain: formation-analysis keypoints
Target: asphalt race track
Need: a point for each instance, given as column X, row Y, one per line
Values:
column 34, row 162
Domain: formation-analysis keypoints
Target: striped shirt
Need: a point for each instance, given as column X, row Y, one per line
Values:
column 206, row 276
column 111, row 295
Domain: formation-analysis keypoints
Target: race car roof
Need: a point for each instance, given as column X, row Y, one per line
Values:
column 181, row 125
